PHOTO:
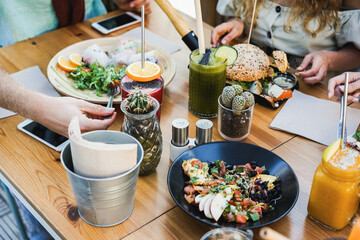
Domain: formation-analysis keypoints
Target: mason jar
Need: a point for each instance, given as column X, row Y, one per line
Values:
column 146, row 129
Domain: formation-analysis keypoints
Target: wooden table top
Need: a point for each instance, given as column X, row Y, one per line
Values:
column 32, row 168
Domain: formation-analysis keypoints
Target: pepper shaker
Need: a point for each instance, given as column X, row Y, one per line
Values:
column 203, row 131
column 179, row 141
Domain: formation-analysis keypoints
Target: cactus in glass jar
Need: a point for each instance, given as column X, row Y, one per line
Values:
column 140, row 121
column 139, row 103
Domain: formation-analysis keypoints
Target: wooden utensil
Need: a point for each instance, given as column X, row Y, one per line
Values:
column 252, row 21
column 269, row 234
column 188, row 36
column 199, row 25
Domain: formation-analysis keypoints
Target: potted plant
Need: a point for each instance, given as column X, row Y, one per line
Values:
column 140, row 121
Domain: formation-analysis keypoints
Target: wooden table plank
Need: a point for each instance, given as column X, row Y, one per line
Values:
column 32, row 169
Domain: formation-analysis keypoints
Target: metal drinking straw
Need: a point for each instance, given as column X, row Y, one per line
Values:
column 344, row 109
column 142, row 36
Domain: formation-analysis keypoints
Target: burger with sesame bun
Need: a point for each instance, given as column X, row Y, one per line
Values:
column 253, row 72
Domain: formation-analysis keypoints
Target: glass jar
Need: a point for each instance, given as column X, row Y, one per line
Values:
column 152, row 88
column 334, row 196
column 234, row 125
column 228, row 233
column 146, row 129
column 206, row 83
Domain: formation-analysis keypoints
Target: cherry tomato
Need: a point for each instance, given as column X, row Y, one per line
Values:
column 84, row 69
column 240, row 218
column 233, row 203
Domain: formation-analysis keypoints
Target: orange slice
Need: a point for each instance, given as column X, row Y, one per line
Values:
column 150, row 71
column 65, row 65
column 75, row 59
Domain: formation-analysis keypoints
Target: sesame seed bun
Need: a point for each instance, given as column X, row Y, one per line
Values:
column 252, row 63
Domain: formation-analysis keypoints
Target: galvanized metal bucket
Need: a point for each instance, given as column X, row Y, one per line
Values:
column 104, row 202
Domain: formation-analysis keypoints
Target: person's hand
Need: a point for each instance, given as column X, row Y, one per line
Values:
column 134, row 5
column 227, row 31
column 58, row 112
column 319, row 65
column 335, row 89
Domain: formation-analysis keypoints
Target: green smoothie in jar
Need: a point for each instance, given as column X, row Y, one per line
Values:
column 206, row 81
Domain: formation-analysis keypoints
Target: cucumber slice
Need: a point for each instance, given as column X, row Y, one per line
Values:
column 227, row 52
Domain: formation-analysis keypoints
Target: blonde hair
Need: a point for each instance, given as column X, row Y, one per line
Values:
column 325, row 12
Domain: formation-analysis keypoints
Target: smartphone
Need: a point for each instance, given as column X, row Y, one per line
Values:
column 43, row 134
column 117, row 22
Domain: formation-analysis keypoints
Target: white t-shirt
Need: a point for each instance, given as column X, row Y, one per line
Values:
column 269, row 31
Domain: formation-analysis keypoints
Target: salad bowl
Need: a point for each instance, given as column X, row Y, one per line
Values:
column 236, row 153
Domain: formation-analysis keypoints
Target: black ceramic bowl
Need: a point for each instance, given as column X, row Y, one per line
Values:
column 235, row 153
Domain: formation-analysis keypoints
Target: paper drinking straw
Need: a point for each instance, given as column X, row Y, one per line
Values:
column 252, row 21
column 199, row 25
column 142, row 36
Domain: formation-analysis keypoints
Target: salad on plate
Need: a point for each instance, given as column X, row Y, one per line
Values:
column 237, row 193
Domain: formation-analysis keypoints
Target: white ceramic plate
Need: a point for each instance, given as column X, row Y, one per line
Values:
column 64, row 85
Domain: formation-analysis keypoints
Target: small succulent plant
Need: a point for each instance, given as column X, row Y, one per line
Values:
column 227, row 95
column 238, row 89
column 139, row 103
column 238, row 103
column 249, row 99
column 235, row 98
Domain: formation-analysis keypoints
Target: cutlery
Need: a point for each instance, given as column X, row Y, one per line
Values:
column 114, row 90
column 343, row 110
column 142, row 36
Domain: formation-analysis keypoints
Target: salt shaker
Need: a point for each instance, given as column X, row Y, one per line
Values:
column 203, row 131
column 179, row 142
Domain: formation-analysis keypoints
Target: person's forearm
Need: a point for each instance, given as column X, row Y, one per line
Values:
column 347, row 58
column 15, row 97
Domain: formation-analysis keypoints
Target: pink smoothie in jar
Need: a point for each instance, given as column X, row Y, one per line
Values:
column 153, row 88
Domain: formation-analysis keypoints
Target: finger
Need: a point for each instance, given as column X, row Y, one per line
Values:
column 147, row 4
column 317, row 78
column 135, row 3
column 314, row 70
column 353, row 99
column 97, row 109
column 309, row 73
column 356, row 94
column 217, row 32
column 354, row 86
column 333, row 82
column 147, row 7
column 312, row 80
column 87, row 124
column 307, row 60
column 322, row 72
column 230, row 36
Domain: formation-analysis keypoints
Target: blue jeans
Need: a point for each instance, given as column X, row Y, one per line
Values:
column 34, row 229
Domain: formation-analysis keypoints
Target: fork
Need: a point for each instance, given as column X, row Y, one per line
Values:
column 114, row 90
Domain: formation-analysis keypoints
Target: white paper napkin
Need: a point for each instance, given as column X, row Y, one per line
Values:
column 153, row 39
column 314, row 118
column 33, row 79
column 96, row 159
